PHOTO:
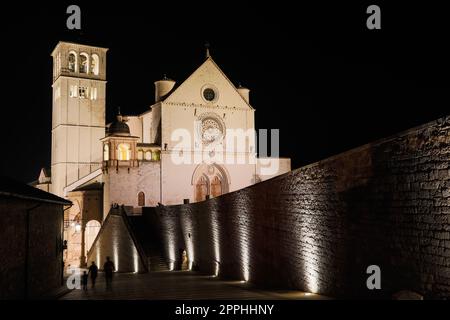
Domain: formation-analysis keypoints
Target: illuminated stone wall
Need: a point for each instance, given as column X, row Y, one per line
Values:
column 319, row 227
column 115, row 240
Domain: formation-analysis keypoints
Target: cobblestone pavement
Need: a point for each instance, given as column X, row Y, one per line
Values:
column 178, row 285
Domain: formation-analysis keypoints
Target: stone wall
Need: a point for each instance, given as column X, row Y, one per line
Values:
column 319, row 227
column 45, row 248
column 116, row 241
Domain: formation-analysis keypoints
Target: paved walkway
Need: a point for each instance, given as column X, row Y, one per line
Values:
column 178, row 285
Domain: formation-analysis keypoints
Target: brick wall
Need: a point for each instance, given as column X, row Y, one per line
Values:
column 45, row 248
column 319, row 227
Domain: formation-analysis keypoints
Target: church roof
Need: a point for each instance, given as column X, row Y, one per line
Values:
column 208, row 59
column 90, row 187
column 13, row 189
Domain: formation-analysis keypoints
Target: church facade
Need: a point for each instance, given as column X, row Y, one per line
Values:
column 195, row 142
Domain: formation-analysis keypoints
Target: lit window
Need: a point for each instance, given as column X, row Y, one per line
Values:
column 141, row 199
column 73, row 92
column 93, row 93
column 123, row 152
column 140, row 155
column 72, row 65
column 148, row 155
column 94, row 64
column 84, row 63
column 83, row 92
column 156, row 155
column 106, row 152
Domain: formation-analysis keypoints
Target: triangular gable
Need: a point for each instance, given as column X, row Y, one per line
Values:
column 208, row 74
column 44, row 176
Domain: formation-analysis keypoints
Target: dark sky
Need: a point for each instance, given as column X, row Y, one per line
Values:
column 315, row 72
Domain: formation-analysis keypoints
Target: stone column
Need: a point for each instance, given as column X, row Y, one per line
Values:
column 83, row 245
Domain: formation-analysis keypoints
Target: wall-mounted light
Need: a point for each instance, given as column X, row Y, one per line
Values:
column 77, row 227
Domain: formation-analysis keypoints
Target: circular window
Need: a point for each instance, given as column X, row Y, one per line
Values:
column 209, row 94
column 210, row 128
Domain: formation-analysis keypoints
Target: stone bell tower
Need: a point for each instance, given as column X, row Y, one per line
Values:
column 78, row 124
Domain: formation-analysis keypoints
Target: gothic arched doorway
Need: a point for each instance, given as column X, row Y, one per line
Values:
column 201, row 189
column 210, row 179
column 216, row 187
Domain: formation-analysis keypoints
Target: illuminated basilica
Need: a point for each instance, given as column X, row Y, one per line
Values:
column 135, row 160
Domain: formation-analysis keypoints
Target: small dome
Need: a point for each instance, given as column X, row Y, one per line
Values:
column 119, row 127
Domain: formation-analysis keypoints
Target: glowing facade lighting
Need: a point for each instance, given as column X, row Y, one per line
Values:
column 98, row 255
column 308, row 246
column 244, row 233
column 169, row 225
column 136, row 261
column 116, row 256
column 216, row 271
column 188, row 240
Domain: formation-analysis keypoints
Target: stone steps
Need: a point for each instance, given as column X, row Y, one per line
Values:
column 148, row 242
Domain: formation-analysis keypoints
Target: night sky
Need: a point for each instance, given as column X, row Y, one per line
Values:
column 315, row 72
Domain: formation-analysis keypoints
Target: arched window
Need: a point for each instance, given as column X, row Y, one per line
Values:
column 72, row 61
column 94, row 64
column 148, row 155
column 91, row 231
column 140, row 155
column 84, row 63
column 123, row 152
column 156, row 155
column 106, row 152
column 141, row 199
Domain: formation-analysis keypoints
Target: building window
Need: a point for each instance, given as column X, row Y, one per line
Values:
column 73, row 92
column 72, row 65
column 83, row 92
column 93, row 93
column 84, row 63
column 156, row 155
column 140, row 155
column 94, row 64
column 209, row 94
column 106, row 152
column 141, row 199
column 123, row 152
column 57, row 92
column 148, row 155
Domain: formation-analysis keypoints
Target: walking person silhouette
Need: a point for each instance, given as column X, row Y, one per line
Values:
column 93, row 271
column 108, row 268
